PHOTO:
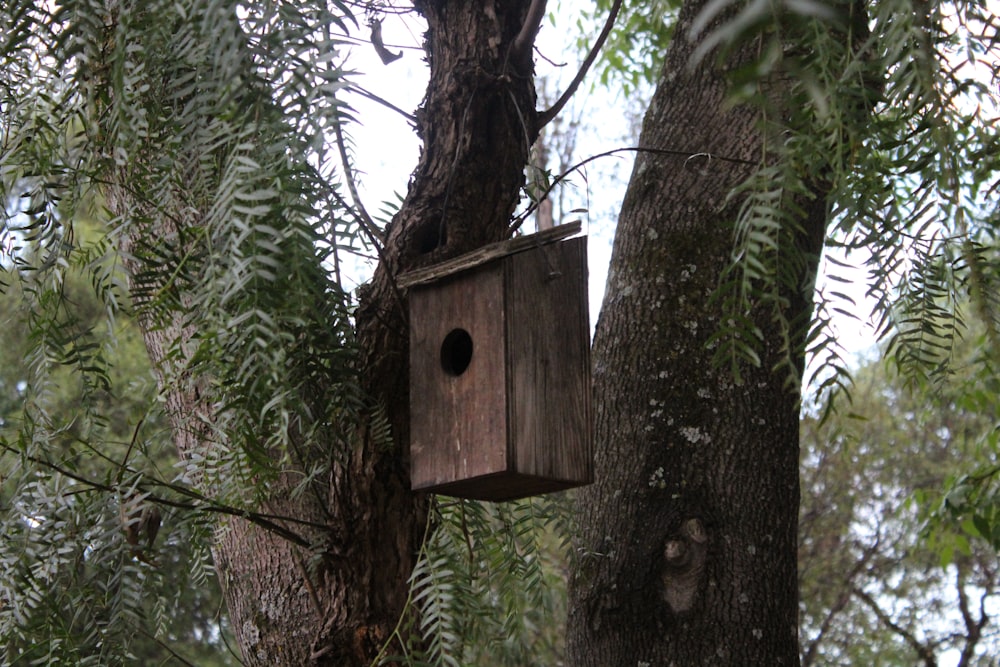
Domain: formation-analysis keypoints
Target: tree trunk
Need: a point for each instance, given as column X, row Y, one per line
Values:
column 687, row 540
column 288, row 607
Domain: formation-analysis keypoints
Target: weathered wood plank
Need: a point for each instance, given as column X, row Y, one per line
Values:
column 548, row 366
column 485, row 254
column 458, row 422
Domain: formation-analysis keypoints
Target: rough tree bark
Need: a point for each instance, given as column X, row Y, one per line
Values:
column 687, row 538
column 477, row 123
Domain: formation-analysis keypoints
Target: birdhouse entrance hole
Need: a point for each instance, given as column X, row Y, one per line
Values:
column 456, row 352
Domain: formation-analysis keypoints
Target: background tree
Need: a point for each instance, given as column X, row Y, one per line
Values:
column 95, row 429
column 871, row 565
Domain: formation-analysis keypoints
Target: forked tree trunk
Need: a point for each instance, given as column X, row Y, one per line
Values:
column 477, row 124
column 686, row 553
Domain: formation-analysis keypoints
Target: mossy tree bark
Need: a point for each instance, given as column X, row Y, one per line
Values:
column 687, row 541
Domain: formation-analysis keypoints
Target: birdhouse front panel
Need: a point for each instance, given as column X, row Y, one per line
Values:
column 500, row 372
column 457, row 379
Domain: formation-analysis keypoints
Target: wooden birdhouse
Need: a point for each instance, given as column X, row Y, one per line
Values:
column 500, row 370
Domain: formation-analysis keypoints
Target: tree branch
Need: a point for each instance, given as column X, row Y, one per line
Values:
column 202, row 504
column 377, row 240
column 810, row 654
column 519, row 220
column 973, row 627
column 410, row 118
column 546, row 116
column 368, row 223
column 520, row 50
column 925, row 653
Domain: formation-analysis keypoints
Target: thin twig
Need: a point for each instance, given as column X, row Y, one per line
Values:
column 165, row 647
column 519, row 220
column 128, row 452
column 376, row 241
column 521, row 49
column 265, row 521
column 546, row 116
column 365, row 222
column 380, row 100
column 310, row 589
column 351, row 187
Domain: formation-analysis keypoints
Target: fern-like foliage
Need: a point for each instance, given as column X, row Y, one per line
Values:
column 246, row 261
column 191, row 143
column 187, row 141
column 893, row 107
column 489, row 587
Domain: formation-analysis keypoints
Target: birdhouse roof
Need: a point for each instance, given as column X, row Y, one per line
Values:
column 480, row 256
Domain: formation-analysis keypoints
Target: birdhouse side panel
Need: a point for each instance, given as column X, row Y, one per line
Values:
column 549, row 351
column 458, row 408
